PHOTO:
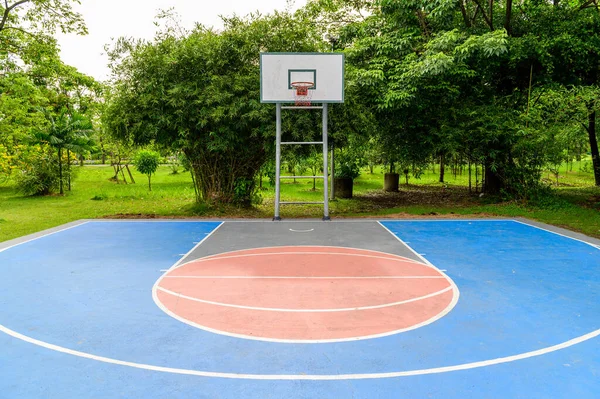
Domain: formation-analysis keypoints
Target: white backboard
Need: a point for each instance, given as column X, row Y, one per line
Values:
column 279, row 70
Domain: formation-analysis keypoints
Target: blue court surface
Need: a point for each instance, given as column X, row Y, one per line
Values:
column 78, row 318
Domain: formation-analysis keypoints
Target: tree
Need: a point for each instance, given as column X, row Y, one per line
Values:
column 65, row 132
column 146, row 162
column 199, row 93
column 456, row 77
column 27, row 27
column 33, row 77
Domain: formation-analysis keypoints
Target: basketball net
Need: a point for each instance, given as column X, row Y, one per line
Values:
column 302, row 93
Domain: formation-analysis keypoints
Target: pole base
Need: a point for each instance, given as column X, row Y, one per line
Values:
column 325, row 218
column 277, row 219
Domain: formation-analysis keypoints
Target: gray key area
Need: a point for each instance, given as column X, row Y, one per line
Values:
column 233, row 235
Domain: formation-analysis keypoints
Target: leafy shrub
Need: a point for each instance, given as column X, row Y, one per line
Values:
column 40, row 176
column 146, row 162
column 99, row 197
column 245, row 192
column 347, row 167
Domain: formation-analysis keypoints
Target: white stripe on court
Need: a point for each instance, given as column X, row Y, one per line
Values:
column 306, row 277
column 557, row 233
column 229, row 305
column 304, row 376
column 313, row 377
column 450, row 306
column 44, row 235
column 307, row 246
column 183, row 256
column 219, row 257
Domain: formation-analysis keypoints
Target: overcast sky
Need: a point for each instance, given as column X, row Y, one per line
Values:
column 108, row 19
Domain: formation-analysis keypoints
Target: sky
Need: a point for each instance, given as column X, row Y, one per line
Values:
column 108, row 19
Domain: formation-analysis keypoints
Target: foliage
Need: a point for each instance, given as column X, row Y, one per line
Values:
column 347, row 165
column 39, row 175
column 448, row 80
column 198, row 93
column 68, row 131
column 34, row 79
column 146, row 162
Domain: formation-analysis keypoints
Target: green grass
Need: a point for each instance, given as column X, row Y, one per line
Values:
column 575, row 204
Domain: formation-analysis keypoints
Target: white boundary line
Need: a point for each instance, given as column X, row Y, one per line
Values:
column 44, row 235
column 456, row 292
column 362, row 220
column 409, row 248
column 314, row 377
column 218, row 257
column 557, row 233
column 295, row 377
column 312, row 246
column 296, row 341
column 207, row 277
column 230, row 305
column 195, row 246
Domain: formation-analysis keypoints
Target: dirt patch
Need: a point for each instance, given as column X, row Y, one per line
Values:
column 136, row 216
column 373, row 201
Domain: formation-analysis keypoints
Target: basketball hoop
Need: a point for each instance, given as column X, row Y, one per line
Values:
column 302, row 95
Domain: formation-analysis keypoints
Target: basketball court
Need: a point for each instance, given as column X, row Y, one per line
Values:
column 300, row 309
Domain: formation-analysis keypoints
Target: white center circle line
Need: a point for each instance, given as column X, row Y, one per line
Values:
column 305, row 277
column 230, row 305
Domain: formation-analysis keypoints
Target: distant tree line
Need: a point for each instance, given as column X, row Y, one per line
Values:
column 504, row 90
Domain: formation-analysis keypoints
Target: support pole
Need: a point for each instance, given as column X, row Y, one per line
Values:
column 277, row 161
column 325, row 168
column 332, row 189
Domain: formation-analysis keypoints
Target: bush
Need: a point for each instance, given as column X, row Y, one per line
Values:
column 347, row 167
column 146, row 162
column 39, row 176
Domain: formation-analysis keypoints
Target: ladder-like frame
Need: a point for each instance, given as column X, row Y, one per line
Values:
column 278, row 176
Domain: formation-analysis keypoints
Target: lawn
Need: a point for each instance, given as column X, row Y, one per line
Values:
column 574, row 205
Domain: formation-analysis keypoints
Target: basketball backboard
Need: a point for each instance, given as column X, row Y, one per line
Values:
column 279, row 70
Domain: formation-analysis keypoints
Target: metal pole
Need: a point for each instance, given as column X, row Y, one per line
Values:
column 325, row 169
column 277, row 160
column 332, row 189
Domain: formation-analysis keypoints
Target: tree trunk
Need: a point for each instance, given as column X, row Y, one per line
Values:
column 123, row 174
column 594, row 146
column 195, row 186
column 493, row 183
column 463, row 10
column 60, row 173
column 470, row 186
column 149, row 185
column 476, row 177
column 442, row 168
column 116, row 169
column 491, row 14
column 508, row 16
column 130, row 175
column 69, row 170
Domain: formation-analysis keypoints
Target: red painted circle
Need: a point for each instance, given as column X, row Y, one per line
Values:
column 306, row 293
